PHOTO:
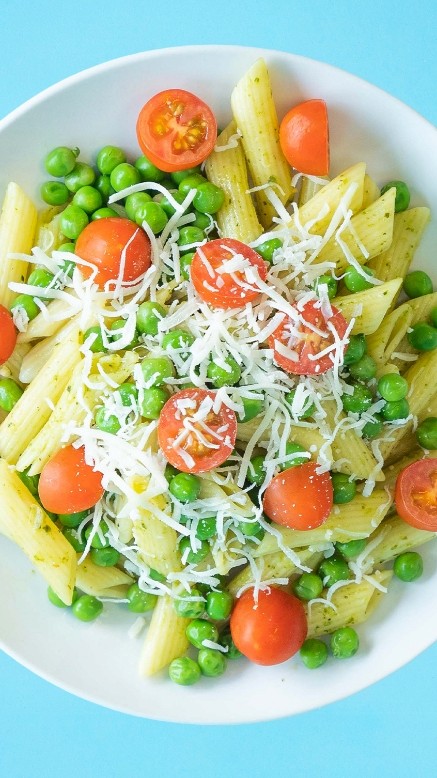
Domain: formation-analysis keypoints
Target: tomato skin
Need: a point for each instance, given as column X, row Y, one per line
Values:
column 176, row 130
column 8, row 334
column 416, row 494
column 299, row 497
column 68, row 484
column 230, row 294
column 312, row 344
column 273, row 631
column 304, row 137
column 102, row 243
column 170, row 425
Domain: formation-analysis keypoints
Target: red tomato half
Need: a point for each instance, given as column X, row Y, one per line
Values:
column 304, row 138
column 68, row 484
column 106, row 242
column 299, row 497
column 176, row 130
column 416, row 494
column 192, row 436
column 305, row 342
column 270, row 631
column 214, row 284
column 8, row 334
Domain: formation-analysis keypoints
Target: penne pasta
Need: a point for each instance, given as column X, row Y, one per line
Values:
column 408, row 229
column 368, row 308
column 17, row 231
column 165, row 640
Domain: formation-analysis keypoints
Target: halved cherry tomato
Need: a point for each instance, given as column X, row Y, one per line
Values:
column 107, row 242
column 300, row 497
column 8, row 334
column 308, row 336
column 68, row 484
column 270, row 631
column 176, row 130
column 219, row 287
column 416, row 494
column 192, row 436
column 304, row 137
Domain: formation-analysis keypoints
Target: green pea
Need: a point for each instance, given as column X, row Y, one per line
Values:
column 40, row 277
column 191, row 182
column 135, row 201
column 166, row 204
column 81, row 175
column 156, row 576
column 209, row 198
column 206, row 528
column 170, row 472
column 179, row 175
column 308, row 409
column 252, row 529
column 153, row 215
column 75, row 539
column 103, row 184
column 149, row 315
column 108, row 158
column 188, row 608
column 54, row 599
column 344, row 489
column 373, row 428
column 148, row 171
column 314, row 653
column 426, row 433
column 268, row 248
column 29, row 481
column 202, row 221
column 256, row 472
column 124, row 175
column 184, row 671
column 105, row 557
column 308, row 586
column 408, row 566
column 103, row 213
column 88, row 198
column 73, row 519
column 87, row 608
column 117, row 328
column 294, row 448
column 199, row 630
column 219, row 376
column 364, row 369
column 153, row 402
column 330, row 282
column 97, row 541
column 54, row 193
column 128, row 394
column 27, row 304
column 184, row 263
column 252, row 408
column 355, row 281
column 178, row 340
column 333, row 569
column 219, row 605
column 392, row 411
column 392, row 387
column 351, row 548
column 344, row 643
column 156, row 370
column 402, row 199
column 139, row 601
column 417, row 283
column 10, row 393
column 60, row 161
column 97, row 346
column 433, row 317
column 193, row 557
column 67, row 266
column 356, row 349
column 212, row 663
column 359, row 401
column 423, row 337
column 227, row 642
column 68, row 247
column 185, row 487
column 73, row 221
column 189, row 236
column 107, row 422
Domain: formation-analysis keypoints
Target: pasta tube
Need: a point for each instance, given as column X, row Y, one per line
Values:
column 165, row 639
column 17, row 232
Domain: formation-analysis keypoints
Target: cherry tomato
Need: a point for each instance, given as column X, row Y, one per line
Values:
column 103, row 242
column 270, row 631
column 68, row 484
column 8, row 334
column 300, row 497
column 221, row 288
column 301, row 338
column 416, row 494
column 304, row 138
column 192, row 436
column 176, row 130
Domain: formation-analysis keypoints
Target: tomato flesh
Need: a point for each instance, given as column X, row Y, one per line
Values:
column 68, row 484
column 193, row 437
column 176, row 130
column 416, row 494
column 107, row 243
column 299, row 497
column 8, row 334
column 306, row 337
column 219, row 287
column 271, row 630
column 304, row 137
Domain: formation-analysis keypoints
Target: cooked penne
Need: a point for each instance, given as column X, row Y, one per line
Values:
column 165, row 639
column 368, row 308
column 386, row 339
column 17, row 232
column 408, row 229
column 349, row 452
column 273, row 566
column 102, row 581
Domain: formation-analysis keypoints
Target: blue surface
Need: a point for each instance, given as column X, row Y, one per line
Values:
column 387, row 730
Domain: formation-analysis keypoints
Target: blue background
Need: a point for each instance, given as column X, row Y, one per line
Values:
column 387, row 730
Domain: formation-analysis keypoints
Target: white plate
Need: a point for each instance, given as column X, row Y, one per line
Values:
column 99, row 661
